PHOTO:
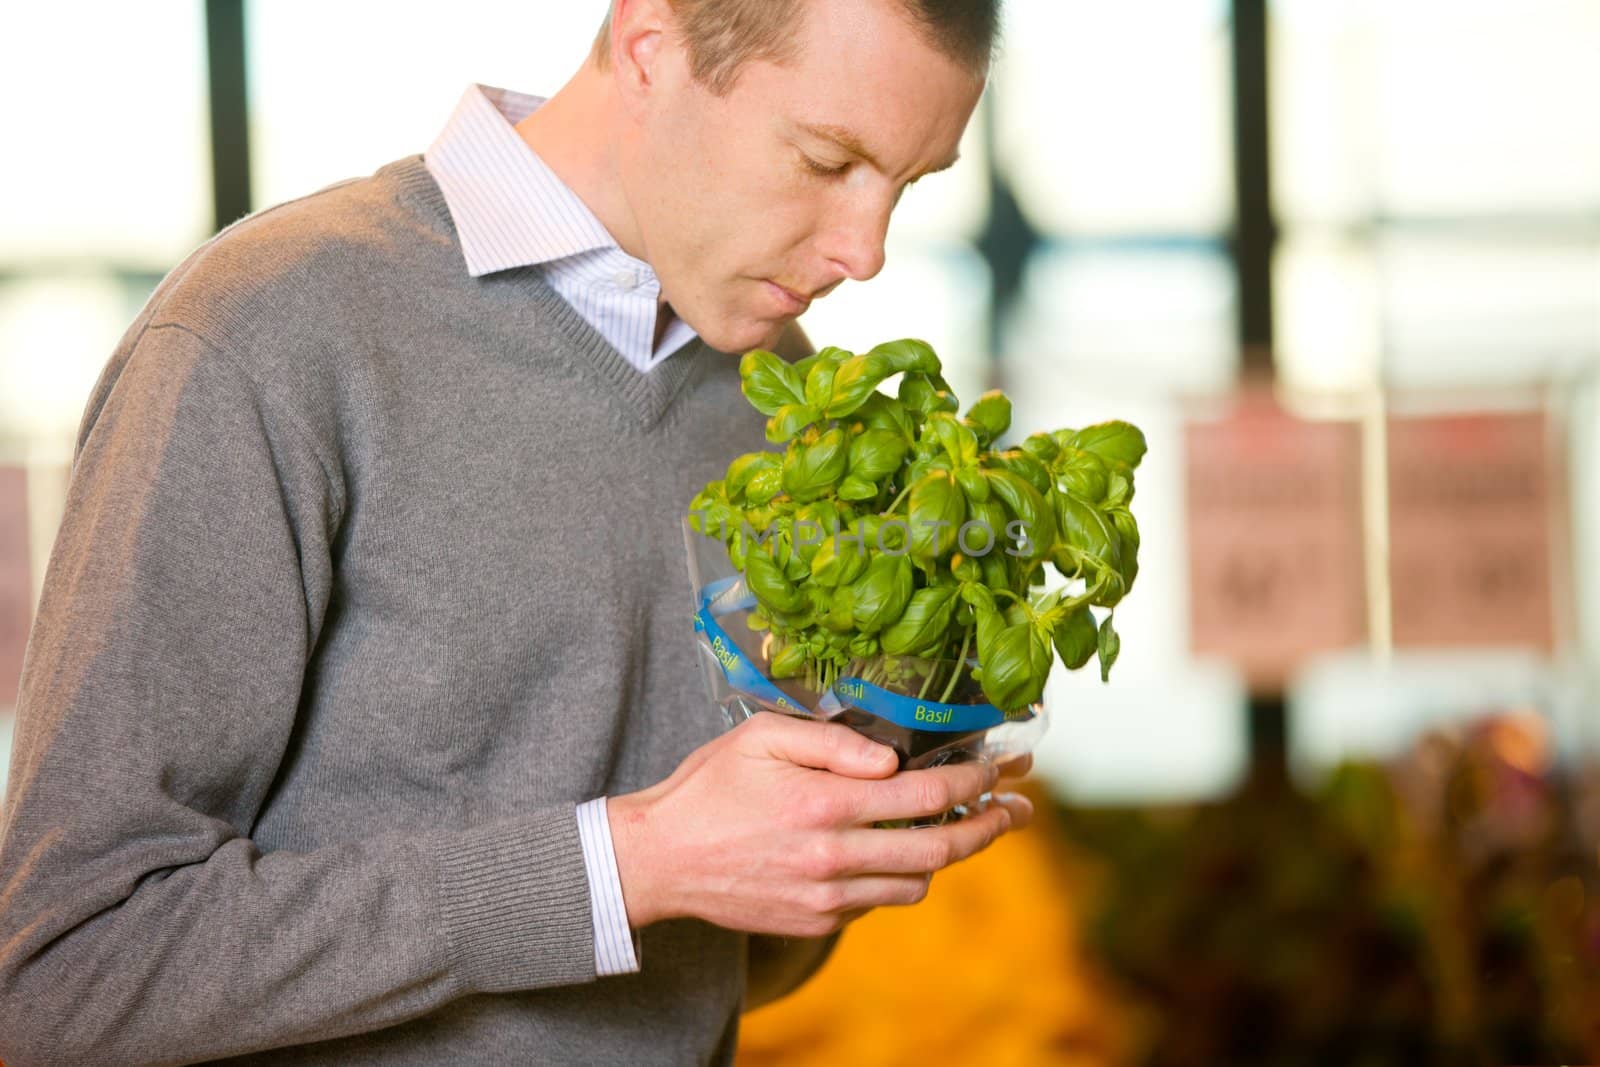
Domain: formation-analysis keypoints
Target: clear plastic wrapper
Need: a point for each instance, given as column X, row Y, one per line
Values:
column 929, row 711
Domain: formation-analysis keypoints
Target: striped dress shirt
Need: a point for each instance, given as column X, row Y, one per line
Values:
column 510, row 210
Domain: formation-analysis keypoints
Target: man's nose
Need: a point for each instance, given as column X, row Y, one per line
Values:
column 855, row 243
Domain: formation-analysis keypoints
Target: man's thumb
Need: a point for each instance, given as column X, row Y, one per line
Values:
column 826, row 746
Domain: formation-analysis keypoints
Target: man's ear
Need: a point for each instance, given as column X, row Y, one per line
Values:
column 640, row 41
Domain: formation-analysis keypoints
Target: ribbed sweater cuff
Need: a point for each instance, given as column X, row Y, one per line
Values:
column 514, row 898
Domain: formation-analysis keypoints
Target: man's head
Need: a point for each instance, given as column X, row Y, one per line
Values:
column 763, row 143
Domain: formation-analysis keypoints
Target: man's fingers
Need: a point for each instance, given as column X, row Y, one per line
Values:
column 826, row 746
column 915, row 794
column 923, row 850
column 1015, row 767
column 1020, row 807
column 853, row 897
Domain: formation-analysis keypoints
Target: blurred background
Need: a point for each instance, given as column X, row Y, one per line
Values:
column 1341, row 261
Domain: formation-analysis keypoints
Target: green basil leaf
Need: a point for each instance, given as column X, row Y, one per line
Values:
column 1042, row 447
column 1083, row 527
column 920, row 630
column 739, row 472
column 839, row 561
column 880, row 412
column 1110, row 585
column 966, row 568
column 1127, row 527
column 1025, row 504
column 854, row 488
column 876, row 454
column 794, row 565
column 921, row 396
column 1110, row 645
column 1066, row 560
column 809, row 471
column 925, row 465
column 1118, row 443
column 742, row 470
column 841, row 611
column 908, row 354
column 863, row 646
column 938, row 508
column 789, row 662
column 884, row 534
column 714, row 492
column 956, row 438
column 1082, row 473
column 765, row 577
column 1075, row 638
column 765, row 483
column 990, row 416
column 802, row 367
column 858, row 377
column 825, row 513
column 792, row 622
column 711, row 514
column 881, row 594
column 1128, row 530
column 988, row 536
column 768, row 382
column 813, row 525
column 788, row 421
column 973, row 484
column 819, row 384
column 1024, row 466
column 1119, row 490
column 991, row 623
column 995, row 573
column 1016, row 667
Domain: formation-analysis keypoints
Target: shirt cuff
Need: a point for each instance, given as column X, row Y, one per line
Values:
column 615, row 950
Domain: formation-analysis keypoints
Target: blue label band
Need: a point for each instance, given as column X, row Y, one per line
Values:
column 912, row 713
column 738, row 669
column 727, row 595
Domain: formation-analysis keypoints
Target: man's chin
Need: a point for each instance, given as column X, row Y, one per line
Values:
column 741, row 338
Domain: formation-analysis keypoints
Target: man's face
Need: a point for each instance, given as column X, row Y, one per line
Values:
column 750, row 205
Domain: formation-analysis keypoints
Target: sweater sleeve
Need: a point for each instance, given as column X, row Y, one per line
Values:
column 139, row 922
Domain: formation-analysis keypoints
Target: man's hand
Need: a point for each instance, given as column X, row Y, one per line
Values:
column 768, row 829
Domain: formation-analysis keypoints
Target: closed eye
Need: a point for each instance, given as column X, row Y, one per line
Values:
column 821, row 169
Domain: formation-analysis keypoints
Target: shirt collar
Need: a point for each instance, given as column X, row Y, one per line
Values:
column 509, row 208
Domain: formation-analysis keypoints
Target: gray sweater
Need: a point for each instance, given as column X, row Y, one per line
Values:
column 370, row 572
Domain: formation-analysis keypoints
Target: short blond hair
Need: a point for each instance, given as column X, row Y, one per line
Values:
column 723, row 35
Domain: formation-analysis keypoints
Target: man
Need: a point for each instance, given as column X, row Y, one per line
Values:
column 360, row 720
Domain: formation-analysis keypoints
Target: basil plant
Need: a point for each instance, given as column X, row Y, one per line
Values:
column 890, row 529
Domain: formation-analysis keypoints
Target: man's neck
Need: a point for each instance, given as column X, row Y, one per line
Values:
column 573, row 134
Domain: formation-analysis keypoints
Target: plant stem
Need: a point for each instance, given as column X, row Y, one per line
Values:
column 903, row 494
column 961, row 663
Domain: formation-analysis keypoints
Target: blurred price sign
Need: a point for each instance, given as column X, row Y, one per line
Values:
column 16, row 590
column 1471, row 535
column 1275, row 557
